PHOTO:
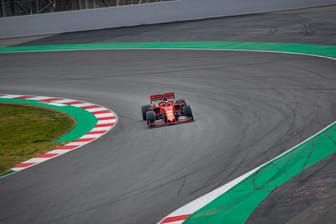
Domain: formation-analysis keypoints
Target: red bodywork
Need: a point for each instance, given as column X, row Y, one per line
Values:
column 166, row 110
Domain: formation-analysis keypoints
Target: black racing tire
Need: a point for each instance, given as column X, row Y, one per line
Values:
column 150, row 117
column 144, row 109
column 187, row 111
column 181, row 101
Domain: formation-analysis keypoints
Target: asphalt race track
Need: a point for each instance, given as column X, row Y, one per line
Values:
column 248, row 107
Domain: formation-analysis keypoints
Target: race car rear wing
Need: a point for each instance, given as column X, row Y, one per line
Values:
column 156, row 97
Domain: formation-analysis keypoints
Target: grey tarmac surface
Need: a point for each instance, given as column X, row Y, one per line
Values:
column 249, row 107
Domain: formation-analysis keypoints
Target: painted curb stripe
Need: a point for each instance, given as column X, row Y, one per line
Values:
column 84, row 140
column 174, row 219
column 22, row 165
column 67, row 147
column 47, row 155
column 89, row 107
column 97, row 132
column 24, row 97
column 49, row 100
column 93, row 134
column 104, row 125
column 99, row 111
column 105, row 118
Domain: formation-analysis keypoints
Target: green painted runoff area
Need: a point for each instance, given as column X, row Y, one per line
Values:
column 319, row 50
column 85, row 121
column 236, row 205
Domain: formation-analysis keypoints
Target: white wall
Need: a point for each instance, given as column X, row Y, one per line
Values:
column 160, row 12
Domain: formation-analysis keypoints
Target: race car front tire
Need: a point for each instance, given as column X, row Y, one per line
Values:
column 187, row 111
column 144, row 109
column 150, row 117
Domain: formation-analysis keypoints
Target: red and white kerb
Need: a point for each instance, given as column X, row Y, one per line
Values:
column 179, row 219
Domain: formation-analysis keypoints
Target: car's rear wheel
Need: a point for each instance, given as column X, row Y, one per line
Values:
column 187, row 111
column 150, row 118
column 144, row 109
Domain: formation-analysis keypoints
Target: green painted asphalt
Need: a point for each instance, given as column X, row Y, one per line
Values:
column 318, row 50
column 236, row 205
column 85, row 121
column 7, row 174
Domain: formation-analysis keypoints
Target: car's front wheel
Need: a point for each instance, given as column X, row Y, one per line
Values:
column 144, row 109
column 187, row 111
column 150, row 118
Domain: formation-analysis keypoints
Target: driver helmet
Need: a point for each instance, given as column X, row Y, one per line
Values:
column 165, row 100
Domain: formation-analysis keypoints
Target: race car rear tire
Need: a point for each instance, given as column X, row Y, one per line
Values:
column 187, row 111
column 150, row 117
column 181, row 101
column 144, row 109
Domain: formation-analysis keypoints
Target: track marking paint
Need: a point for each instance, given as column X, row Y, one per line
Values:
column 325, row 51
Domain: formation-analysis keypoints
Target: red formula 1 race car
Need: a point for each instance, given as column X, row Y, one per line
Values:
column 164, row 110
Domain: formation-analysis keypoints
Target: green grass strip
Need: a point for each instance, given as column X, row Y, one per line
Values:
column 85, row 121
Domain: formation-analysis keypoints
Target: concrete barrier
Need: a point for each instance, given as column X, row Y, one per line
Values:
column 153, row 13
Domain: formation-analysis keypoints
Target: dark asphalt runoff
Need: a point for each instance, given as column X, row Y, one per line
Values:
column 248, row 107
